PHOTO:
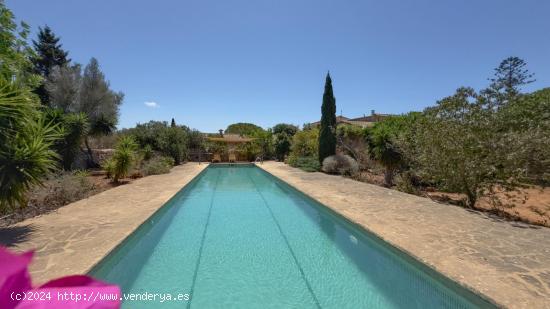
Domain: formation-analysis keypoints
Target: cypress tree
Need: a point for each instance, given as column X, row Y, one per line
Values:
column 173, row 124
column 327, row 132
column 49, row 54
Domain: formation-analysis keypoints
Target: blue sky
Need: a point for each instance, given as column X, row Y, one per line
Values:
column 212, row 63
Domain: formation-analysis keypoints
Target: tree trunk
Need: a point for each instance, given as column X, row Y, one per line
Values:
column 91, row 162
column 472, row 198
column 388, row 177
column 470, row 194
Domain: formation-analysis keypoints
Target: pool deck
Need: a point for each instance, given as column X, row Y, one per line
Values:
column 72, row 239
column 507, row 262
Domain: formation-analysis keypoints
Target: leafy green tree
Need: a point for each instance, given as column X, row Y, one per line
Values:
column 460, row 147
column 63, row 88
column 195, row 140
column 75, row 92
column 99, row 103
column 305, row 143
column 283, row 134
column 243, row 128
column 283, row 143
column 174, row 143
column 327, row 132
column 288, row 129
column 49, row 54
column 149, row 133
column 526, row 122
column 264, row 141
column 97, row 100
column 170, row 141
column 15, row 54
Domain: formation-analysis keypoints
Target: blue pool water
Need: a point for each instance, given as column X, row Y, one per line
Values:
column 237, row 237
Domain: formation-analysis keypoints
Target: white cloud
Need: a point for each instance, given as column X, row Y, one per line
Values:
column 151, row 104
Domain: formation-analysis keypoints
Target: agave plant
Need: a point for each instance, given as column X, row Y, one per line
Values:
column 26, row 140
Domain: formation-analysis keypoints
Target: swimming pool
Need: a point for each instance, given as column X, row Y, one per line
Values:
column 237, row 237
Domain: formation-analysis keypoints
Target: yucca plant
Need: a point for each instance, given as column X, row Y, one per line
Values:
column 123, row 160
column 26, row 140
column 124, row 157
column 108, row 166
column 74, row 128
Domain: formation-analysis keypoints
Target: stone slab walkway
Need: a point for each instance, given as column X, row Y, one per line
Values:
column 75, row 237
column 507, row 262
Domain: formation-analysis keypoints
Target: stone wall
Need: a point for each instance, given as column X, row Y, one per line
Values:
column 99, row 156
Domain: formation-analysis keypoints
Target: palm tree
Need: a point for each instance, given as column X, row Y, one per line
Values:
column 380, row 140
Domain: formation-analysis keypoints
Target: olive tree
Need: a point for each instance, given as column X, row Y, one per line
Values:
column 458, row 146
column 87, row 92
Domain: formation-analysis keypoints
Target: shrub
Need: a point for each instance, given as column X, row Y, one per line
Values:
column 308, row 164
column 81, row 173
column 305, row 143
column 351, row 140
column 157, row 165
column 174, row 143
column 407, row 182
column 70, row 187
column 147, row 152
column 340, row 164
column 168, row 140
column 250, row 150
column 61, row 189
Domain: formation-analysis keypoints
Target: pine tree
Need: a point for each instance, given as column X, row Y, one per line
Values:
column 49, row 53
column 173, row 124
column 327, row 132
column 510, row 75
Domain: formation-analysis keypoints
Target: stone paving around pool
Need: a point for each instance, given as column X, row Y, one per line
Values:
column 72, row 239
column 508, row 262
